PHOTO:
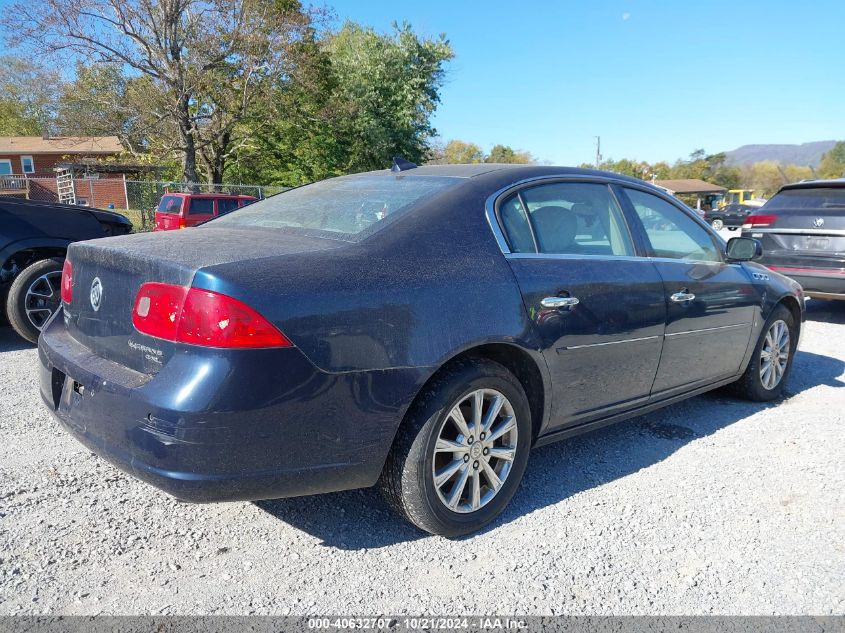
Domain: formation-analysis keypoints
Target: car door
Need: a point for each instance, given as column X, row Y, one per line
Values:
column 597, row 309
column 710, row 303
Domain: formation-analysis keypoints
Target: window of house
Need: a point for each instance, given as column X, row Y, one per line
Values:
column 27, row 165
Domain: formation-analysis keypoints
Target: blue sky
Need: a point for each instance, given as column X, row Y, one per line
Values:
column 655, row 79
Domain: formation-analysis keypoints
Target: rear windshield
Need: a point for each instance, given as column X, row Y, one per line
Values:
column 820, row 198
column 347, row 208
column 170, row 204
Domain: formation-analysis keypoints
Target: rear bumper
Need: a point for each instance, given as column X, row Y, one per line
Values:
column 816, row 282
column 255, row 424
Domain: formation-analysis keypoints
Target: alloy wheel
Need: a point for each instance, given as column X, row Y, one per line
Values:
column 475, row 449
column 774, row 355
column 717, row 224
column 42, row 298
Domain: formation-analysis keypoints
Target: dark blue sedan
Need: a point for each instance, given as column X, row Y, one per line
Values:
column 420, row 328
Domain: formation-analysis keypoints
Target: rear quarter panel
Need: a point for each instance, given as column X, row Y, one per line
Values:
column 422, row 290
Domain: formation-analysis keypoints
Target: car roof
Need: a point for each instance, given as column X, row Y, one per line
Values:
column 813, row 184
column 475, row 170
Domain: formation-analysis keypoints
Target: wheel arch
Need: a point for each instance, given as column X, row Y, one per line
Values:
column 528, row 369
column 33, row 249
column 791, row 303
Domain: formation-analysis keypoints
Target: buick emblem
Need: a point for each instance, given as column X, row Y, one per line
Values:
column 818, row 222
column 96, row 293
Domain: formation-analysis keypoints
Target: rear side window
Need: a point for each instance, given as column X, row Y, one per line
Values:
column 201, row 206
column 819, row 199
column 170, row 204
column 341, row 208
column 570, row 218
column 224, row 205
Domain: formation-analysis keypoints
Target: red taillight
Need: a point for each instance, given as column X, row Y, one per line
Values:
column 754, row 221
column 182, row 223
column 202, row 317
column 67, row 282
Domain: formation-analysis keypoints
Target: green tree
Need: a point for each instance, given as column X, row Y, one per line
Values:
column 388, row 87
column 353, row 100
column 458, row 152
column 28, row 97
column 832, row 164
column 506, row 154
column 208, row 62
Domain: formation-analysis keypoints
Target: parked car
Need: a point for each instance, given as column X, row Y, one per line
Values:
column 34, row 237
column 731, row 216
column 802, row 229
column 421, row 328
column 181, row 210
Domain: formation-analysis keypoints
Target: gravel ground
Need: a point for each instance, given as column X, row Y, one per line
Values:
column 710, row 506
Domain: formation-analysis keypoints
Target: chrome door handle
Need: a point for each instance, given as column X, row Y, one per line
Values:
column 559, row 302
column 680, row 297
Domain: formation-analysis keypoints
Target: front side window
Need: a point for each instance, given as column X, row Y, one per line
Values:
column 27, row 165
column 672, row 233
column 568, row 218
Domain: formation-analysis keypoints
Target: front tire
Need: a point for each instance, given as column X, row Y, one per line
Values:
column 34, row 297
column 461, row 451
column 769, row 367
column 717, row 224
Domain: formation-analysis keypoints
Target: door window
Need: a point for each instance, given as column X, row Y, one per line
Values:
column 570, row 218
column 201, row 206
column 672, row 233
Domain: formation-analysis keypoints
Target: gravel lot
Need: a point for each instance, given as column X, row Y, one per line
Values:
column 711, row 506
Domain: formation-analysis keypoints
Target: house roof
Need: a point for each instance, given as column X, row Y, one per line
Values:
column 90, row 145
column 689, row 185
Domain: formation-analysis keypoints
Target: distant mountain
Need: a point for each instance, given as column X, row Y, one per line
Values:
column 803, row 154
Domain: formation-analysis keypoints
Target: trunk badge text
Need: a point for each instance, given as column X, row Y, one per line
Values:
column 96, row 293
column 818, row 222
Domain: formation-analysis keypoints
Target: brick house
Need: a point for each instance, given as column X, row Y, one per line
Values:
column 62, row 168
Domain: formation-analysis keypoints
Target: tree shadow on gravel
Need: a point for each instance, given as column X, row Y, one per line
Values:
column 11, row 342
column 360, row 519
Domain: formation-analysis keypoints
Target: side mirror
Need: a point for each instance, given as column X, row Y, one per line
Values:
column 743, row 249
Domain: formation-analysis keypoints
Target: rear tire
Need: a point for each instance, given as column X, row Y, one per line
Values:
column 718, row 224
column 450, row 482
column 768, row 369
column 34, row 296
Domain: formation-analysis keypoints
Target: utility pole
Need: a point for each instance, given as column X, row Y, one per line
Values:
column 598, row 152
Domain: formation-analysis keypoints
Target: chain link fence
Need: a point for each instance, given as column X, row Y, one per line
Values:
column 137, row 199
column 143, row 196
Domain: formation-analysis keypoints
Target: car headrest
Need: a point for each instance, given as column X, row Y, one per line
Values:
column 556, row 228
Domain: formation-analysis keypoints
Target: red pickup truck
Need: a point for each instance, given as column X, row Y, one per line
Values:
column 181, row 210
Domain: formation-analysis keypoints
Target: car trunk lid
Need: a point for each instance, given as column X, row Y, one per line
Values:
column 108, row 273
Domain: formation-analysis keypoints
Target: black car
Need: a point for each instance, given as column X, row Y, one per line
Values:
column 731, row 216
column 802, row 229
column 422, row 328
column 34, row 237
